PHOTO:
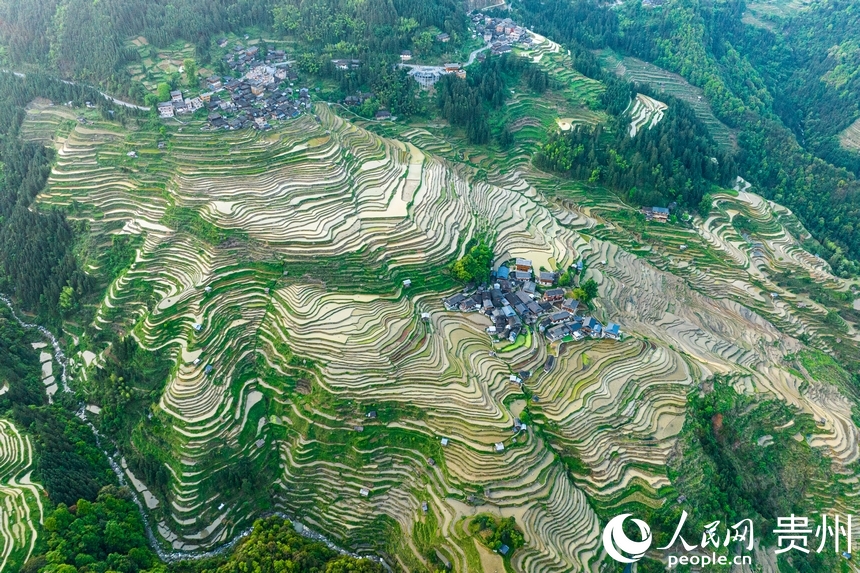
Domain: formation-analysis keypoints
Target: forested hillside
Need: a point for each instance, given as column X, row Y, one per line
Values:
column 805, row 82
column 811, row 65
column 37, row 250
column 85, row 40
column 88, row 41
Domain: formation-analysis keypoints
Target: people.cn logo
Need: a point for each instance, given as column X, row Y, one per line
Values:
column 622, row 548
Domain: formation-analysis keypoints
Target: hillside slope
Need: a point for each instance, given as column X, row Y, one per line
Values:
column 288, row 249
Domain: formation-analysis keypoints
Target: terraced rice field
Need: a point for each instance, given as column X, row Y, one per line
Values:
column 672, row 84
column 157, row 64
column 308, row 329
column 850, row 138
column 577, row 94
column 21, row 510
column 645, row 114
column 777, row 8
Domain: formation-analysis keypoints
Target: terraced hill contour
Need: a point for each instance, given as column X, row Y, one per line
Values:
column 850, row 138
column 288, row 248
column 21, row 510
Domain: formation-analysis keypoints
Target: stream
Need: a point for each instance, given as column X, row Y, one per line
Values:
column 166, row 556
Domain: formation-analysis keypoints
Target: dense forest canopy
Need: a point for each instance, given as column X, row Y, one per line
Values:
column 675, row 161
column 84, row 39
column 468, row 103
column 811, row 65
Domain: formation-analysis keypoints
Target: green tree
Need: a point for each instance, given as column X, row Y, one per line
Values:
column 506, row 138
column 190, row 72
column 163, row 92
column 67, row 300
column 369, row 108
column 347, row 564
column 590, row 288
column 309, row 63
column 705, row 205
column 104, row 535
column 475, row 265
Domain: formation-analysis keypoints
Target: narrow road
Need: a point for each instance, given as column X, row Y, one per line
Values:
column 474, row 55
column 441, row 69
column 108, row 97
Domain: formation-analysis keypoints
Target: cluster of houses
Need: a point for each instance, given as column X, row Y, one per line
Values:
column 242, row 59
column 179, row 105
column 657, row 214
column 501, row 33
column 514, row 301
column 566, row 325
column 250, row 101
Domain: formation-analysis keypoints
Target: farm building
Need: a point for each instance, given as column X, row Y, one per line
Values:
column 559, row 316
column 592, row 326
column 165, row 109
column 453, row 303
column 546, row 278
column 612, row 331
column 660, row 214
column 554, row 294
column 557, row 333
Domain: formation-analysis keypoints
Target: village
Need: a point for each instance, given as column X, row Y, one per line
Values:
column 521, row 298
column 499, row 34
column 250, row 101
column 265, row 92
